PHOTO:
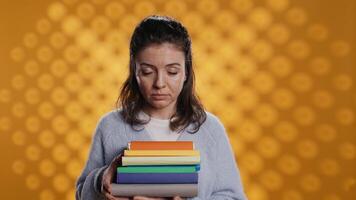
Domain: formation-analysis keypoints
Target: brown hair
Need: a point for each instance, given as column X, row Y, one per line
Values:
column 157, row 30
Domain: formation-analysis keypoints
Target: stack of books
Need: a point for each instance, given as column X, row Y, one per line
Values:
column 158, row 169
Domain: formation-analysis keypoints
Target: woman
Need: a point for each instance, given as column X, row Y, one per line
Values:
column 158, row 102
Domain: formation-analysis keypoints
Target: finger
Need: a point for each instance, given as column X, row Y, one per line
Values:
column 109, row 196
column 107, row 187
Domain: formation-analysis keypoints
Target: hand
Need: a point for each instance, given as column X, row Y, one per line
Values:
column 109, row 176
column 148, row 198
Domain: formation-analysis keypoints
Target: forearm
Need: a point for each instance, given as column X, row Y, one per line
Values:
column 90, row 186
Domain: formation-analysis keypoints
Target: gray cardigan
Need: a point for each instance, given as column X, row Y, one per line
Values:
column 218, row 177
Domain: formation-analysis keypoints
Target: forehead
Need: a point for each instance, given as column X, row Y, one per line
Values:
column 161, row 53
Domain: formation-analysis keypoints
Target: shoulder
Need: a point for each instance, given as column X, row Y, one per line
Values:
column 212, row 121
column 110, row 119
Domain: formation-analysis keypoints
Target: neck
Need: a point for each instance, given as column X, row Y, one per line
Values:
column 163, row 113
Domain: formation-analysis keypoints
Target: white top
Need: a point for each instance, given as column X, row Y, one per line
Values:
column 158, row 129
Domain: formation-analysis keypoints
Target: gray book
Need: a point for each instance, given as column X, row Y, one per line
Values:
column 155, row 190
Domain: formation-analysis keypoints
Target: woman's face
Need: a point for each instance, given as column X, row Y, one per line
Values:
column 160, row 73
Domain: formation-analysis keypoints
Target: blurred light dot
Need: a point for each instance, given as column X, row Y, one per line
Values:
column 61, row 183
column 271, row 180
column 289, row 164
column 251, row 162
column 255, row 191
column 247, row 98
column 46, row 110
column 343, row 82
column 46, row 138
column 329, row 167
column 286, row 131
column 100, row 25
column 325, row 132
column 246, row 67
column 73, row 82
column 71, row 25
column 32, row 182
column 283, row 98
column 268, row 147
column 249, row 130
column 278, row 33
column 242, row 6
column 58, row 40
column 296, row 16
column 59, row 68
column 85, row 39
column 299, row 49
column 74, row 111
column 261, row 50
column 143, row 8
column 320, row 65
column 18, row 109
column 56, row 11
column 5, row 95
column 260, row 18
column 17, row 54
column 18, row 167
column 175, row 6
column 263, row 82
column 317, row 32
column 32, row 96
column 60, row 124
column 340, row 48
column 310, row 183
column 347, row 150
column 266, row 114
column 32, row 124
column 301, row 82
column 44, row 54
column 19, row 138
column 43, row 26
column 70, row 194
column 345, row 116
column 291, row 195
column 32, row 68
column 207, row 8
column 47, row 195
column 60, row 153
column 59, row 96
column 47, row 168
column 115, row 10
column 304, row 115
column 244, row 35
column 331, row 197
column 73, row 54
column 18, row 82
column 280, row 66
column 278, row 5
column 322, row 99
column 85, row 11
column 73, row 168
column 307, row 148
column 33, row 152
column 30, row 40
column 45, row 82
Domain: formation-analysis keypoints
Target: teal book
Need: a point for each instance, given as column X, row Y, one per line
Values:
column 159, row 169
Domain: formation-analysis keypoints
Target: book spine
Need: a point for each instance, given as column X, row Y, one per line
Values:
column 155, row 190
column 153, row 178
column 161, row 145
column 158, row 169
column 161, row 153
column 129, row 161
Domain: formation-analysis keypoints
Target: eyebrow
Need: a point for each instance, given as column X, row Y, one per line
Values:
column 168, row 65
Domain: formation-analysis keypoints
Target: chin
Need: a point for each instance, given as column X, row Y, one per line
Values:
column 159, row 104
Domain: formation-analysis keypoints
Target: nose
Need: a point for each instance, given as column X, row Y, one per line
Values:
column 160, row 81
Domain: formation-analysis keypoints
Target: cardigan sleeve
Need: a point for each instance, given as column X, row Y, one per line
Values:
column 227, row 185
column 88, row 185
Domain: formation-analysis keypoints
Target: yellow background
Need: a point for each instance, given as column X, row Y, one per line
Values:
column 279, row 73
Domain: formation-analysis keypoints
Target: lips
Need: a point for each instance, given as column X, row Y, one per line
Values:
column 159, row 96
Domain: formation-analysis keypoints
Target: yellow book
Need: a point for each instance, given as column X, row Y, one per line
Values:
column 153, row 153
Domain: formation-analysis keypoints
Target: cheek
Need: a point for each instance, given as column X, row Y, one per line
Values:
column 143, row 84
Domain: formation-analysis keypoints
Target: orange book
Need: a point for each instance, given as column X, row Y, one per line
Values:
column 161, row 145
